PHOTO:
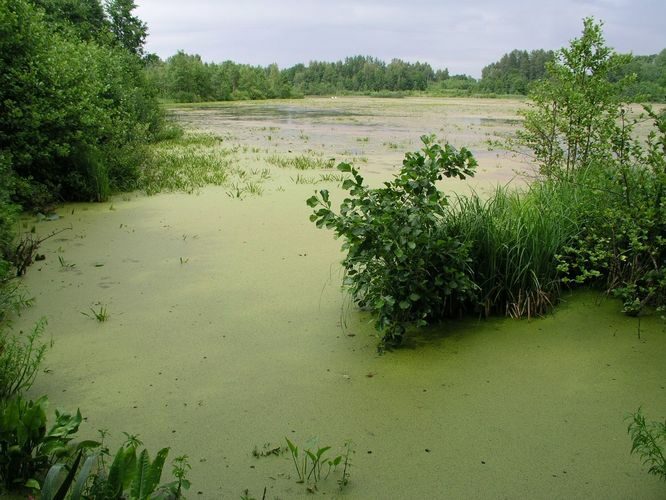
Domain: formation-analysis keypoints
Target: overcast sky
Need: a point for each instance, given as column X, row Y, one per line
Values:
column 463, row 36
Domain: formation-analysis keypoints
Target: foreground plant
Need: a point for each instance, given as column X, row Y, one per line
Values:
column 27, row 449
column 649, row 443
column 20, row 357
column 402, row 262
column 130, row 475
column 313, row 464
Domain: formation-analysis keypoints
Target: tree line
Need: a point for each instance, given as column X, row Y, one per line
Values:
column 187, row 78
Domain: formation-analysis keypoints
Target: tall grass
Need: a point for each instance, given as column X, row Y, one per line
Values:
column 514, row 237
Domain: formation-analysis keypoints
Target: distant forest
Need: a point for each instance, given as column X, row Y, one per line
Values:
column 187, row 78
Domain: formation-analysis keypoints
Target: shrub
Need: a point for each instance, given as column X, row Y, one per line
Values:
column 622, row 246
column 74, row 115
column 402, row 261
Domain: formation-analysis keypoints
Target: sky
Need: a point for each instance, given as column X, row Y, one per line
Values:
column 463, row 35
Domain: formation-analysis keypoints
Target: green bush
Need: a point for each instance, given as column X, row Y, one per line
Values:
column 402, row 261
column 74, row 114
column 622, row 244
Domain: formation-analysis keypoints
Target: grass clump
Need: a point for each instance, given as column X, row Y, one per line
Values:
column 515, row 237
column 300, row 162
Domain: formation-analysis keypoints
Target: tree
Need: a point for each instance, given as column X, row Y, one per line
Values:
column 574, row 110
column 73, row 114
column 85, row 17
column 129, row 31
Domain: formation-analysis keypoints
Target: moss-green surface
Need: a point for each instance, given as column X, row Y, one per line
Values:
column 227, row 330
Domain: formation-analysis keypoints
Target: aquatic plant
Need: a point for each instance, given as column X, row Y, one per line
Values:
column 186, row 164
column 649, row 443
column 65, row 264
column 332, row 177
column 130, row 475
column 312, row 463
column 515, row 237
column 301, row 162
column 101, row 314
column 304, row 179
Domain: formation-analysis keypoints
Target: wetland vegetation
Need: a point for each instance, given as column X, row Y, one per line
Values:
column 217, row 321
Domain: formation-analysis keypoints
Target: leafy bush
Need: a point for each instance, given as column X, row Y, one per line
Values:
column 622, row 245
column 581, row 136
column 74, row 114
column 402, row 261
column 573, row 110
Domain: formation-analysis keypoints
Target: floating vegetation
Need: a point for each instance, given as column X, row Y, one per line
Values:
column 186, row 164
column 301, row 162
column 332, row 177
column 304, row 179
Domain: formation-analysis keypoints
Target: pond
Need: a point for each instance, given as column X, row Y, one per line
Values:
column 228, row 330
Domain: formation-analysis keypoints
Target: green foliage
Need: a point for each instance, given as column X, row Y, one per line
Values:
column 20, row 357
column 573, row 110
column 74, row 114
column 312, row 464
column 514, row 238
column 129, row 31
column 130, row 475
column 8, row 211
column 100, row 315
column 649, row 443
column 515, row 71
column 186, row 163
column 583, row 141
column 649, row 78
column 187, row 78
column 26, row 448
column 300, row 162
column 402, row 261
column 621, row 245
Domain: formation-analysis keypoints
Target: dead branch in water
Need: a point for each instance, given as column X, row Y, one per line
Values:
column 26, row 249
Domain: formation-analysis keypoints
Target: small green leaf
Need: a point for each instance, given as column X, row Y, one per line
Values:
column 33, row 484
column 313, row 201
